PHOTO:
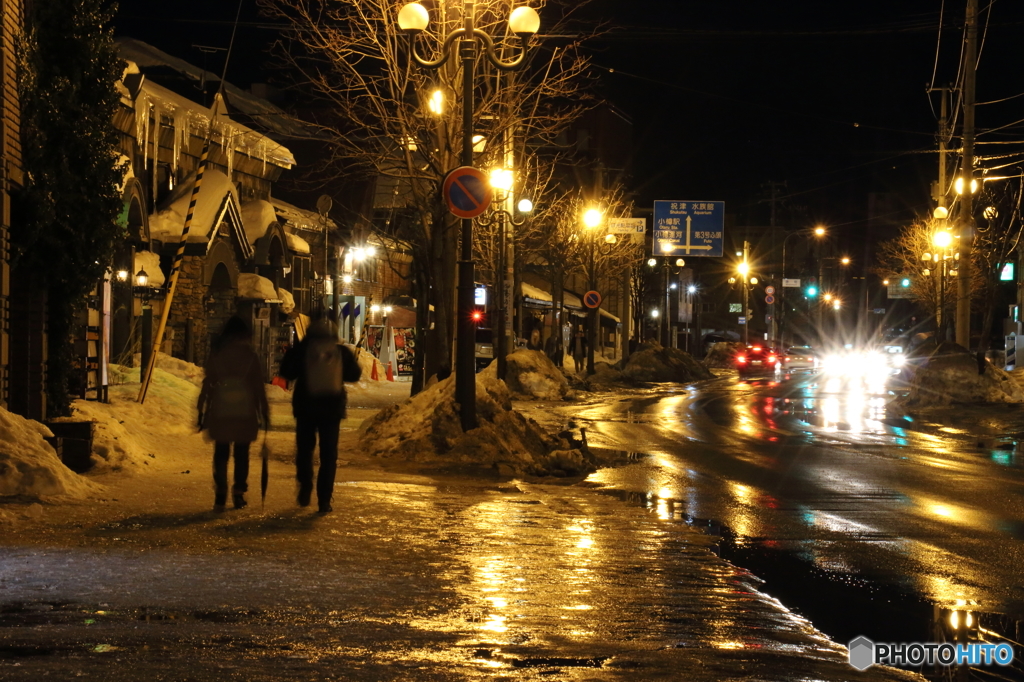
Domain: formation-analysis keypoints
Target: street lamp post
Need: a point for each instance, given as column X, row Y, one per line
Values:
column 502, row 180
column 523, row 22
column 142, row 286
column 818, row 232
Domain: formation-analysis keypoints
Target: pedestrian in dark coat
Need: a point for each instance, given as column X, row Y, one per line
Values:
column 232, row 408
column 319, row 366
column 579, row 350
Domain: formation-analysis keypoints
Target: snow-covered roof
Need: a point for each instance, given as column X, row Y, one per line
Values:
column 257, row 216
column 298, row 218
column 297, row 243
column 150, row 262
column 251, row 285
column 287, row 300
column 270, row 117
column 192, row 118
column 166, row 224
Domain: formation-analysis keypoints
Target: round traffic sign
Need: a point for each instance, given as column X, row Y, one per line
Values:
column 769, row 290
column 769, row 299
column 467, row 192
column 592, row 299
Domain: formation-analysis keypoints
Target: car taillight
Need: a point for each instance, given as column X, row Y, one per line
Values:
column 771, row 358
column 741, row 359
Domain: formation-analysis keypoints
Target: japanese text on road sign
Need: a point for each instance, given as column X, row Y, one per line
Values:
column 691, row 228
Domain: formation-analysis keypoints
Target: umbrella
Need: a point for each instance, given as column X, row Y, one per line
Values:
column 264, row 475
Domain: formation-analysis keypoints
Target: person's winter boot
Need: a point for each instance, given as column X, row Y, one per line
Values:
column 305, row 493
column 238, row 499
column 325, row 508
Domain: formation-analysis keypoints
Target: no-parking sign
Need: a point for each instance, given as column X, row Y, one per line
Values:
column 467, row 192
column 592, row 299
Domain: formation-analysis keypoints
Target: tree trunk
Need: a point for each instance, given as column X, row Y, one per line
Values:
column 558, row 311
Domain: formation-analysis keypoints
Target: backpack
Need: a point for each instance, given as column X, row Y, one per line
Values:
column 323, row 367
column 231, row 398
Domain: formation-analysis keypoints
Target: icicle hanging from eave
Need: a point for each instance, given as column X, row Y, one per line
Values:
column 180, row 136
column 141, row 116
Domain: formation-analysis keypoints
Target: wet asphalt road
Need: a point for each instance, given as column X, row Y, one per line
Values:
column 862, row 520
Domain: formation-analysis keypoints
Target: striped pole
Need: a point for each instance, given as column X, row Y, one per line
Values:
column 147, row 375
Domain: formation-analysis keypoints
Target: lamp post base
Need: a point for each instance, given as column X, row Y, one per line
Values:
column 465, row 348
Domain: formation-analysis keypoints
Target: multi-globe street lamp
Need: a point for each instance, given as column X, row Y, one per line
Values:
column 664, row 321
column 502, row 180
column 942, row 240
column 592, row 219
column 524, row 22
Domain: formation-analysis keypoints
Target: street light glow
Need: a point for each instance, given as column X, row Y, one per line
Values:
column 942, row 239
column 592, row 218
column 610, row 239
column 680, row 262
column 845, row 260
column 667, row 247
column 654, row 313
column 413, row 18
column 819, row 231
column 959, row 185
column 652, row 262
column 347, row 279
column 524, row 21
column 691, row 289
column 501, row 178
column 743, row 268
column 436, row 103
column 525, row 205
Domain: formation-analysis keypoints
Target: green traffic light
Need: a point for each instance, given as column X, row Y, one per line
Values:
column 905, row 282
column 812, row 292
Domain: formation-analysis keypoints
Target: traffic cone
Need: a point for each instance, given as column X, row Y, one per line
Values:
column 391, row 375
column 373, row 372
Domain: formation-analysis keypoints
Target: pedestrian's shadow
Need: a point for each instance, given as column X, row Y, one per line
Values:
column 141, row 522
column 279, row 522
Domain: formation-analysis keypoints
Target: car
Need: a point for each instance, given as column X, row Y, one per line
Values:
column 757, row 360
column 484, row 347
column 800, row 357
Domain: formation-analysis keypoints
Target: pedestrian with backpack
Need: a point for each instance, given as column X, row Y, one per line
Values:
column 232, row 408
column 319, row 365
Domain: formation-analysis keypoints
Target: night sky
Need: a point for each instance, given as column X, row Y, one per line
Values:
column 829, row 97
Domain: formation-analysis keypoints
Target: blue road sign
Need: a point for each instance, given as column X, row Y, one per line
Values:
column 592, row 299
column 690, row 228
column 467, row 192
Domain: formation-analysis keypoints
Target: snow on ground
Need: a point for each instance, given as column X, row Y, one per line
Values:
column 128, row 433
column 950, row 376
column 654, row 363
column 722, row 354
column 531, row 375
column 426, row 431
column 30, row 467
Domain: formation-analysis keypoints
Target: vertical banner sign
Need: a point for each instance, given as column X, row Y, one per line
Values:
column 689, row 228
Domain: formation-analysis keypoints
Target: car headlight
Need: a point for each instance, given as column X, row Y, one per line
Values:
column 899, row 360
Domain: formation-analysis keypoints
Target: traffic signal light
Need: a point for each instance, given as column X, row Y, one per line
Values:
column 905, row 282
column 812, row 287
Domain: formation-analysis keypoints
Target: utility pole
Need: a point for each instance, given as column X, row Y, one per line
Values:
column 746, row 285
column 963, row 302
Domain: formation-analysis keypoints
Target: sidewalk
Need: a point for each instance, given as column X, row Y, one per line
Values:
column 411, row 578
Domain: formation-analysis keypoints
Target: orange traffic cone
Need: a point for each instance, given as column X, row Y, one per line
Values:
column 373, row 372
column 391, row 375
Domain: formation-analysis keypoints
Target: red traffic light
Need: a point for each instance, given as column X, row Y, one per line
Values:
column 477, row 316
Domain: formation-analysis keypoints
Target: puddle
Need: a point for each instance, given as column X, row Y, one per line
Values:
column 844, row 605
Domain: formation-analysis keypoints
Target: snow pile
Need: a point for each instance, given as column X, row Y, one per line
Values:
column 604, row 374
column 128, row 433
column 531, row 374
column 150, row 262
column 366, row 364
column 257, row 216
column 654, row 363
column 29, row 466
column 722, row 355
column 426, row 430
column 170, row 364
column 950, row 375
column 251, row 285
column 287, row 300
column 297, row 243
column 166, row 224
